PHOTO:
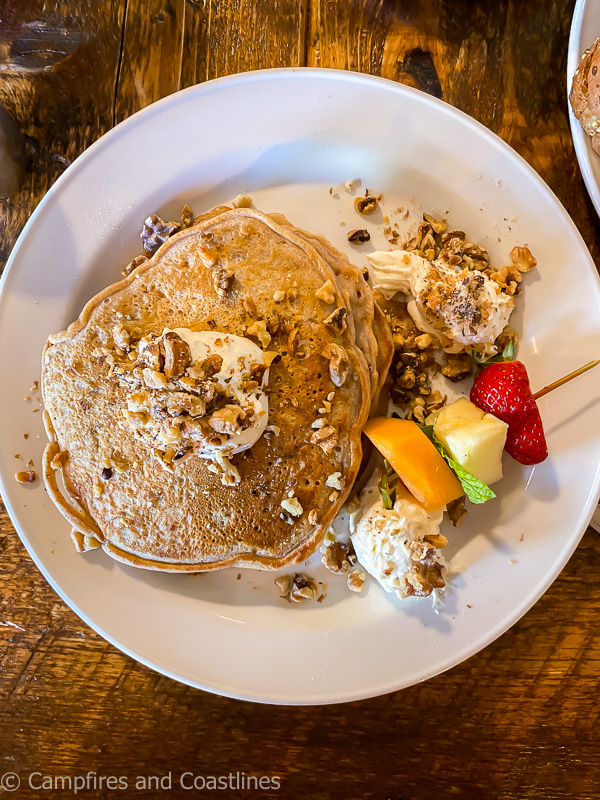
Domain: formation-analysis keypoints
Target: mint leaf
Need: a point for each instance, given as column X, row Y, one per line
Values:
column 477, row 491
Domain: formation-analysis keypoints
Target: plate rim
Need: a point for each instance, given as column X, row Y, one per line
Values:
column 318, row 698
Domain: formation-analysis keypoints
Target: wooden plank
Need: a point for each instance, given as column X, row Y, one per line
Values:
column 59, row 68
column 168, row 46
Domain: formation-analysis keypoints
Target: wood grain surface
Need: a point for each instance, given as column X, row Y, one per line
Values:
column 518, row 720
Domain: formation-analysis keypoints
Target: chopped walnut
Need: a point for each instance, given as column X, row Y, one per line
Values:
column 356, row 580
column 292, row 506
column 437, row 540
column 137, row 261
column 367, row 204
column 338, row 363
column 335, row 557
column 222, row 281
column 227, row 420
column 279, row 296
column 187, row 216
column 313, row 516
column 156, row 232
column 274, row 323
column 326, row 293
column 242, row 201
column 154, row 379
column 457, row 511
column 335, row 481
column 25, row 476
column 259, row 330
column 183, row 403
column 250, row 306
column 326, row 438
column 337, row 320
column 207, row 368
column 178, row 356
column 302, row 588
column 457, row 366
column 522, row 258
column 359, row 236
column 121, row 337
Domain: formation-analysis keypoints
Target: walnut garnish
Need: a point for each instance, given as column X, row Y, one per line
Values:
column 337, row 319
column 279, row 296
column 137, row 261
column 457, row 366
column 154, row 379
column 207, row 368
column 121, row 337
column 274, row 323
column 302, row 588
column 522, row 258
column 222, row 281
column 326, row 438
column 457, row 511
column 313, row 516
column 359, row 236
column 356, row 580
column 335, row 481
column 367, row 204
column 226, row 420
column 242, row 201
column 437, row 540
column 338, row 363
column 335, row 557
column 178, row 356
column 259, row 330
column 187, row 216
column 292, row 506
column 250, row 306
column 25, row 476
column 156, row 232
column 183, row 403
column 326, row 293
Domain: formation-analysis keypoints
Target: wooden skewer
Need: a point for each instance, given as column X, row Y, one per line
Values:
column 567, row 378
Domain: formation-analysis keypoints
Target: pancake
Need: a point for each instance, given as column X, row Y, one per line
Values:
column 148, row 494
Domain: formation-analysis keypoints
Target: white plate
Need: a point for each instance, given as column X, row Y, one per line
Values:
column 285, row 137
column 585, row 29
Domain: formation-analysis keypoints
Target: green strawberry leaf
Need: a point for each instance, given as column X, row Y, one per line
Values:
column 477, row 491
column 387, row 486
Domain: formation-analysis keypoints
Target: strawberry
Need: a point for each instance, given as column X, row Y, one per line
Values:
column 503, row 390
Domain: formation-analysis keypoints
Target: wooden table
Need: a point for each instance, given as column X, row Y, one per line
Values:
column 518, row 720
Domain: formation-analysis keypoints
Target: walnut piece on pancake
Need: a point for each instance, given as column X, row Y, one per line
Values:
column 326, row 438
column 337, row 557
column 222, row 280
column 259, row 330
column 338, row 363
column 326, row 293
column 337, row 320
column 177, row 355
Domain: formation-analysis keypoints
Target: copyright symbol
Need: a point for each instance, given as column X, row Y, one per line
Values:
column 10, row 782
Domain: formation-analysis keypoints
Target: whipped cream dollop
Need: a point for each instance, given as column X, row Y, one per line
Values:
column 239, row 359
column 460, row 308
column 390, row 543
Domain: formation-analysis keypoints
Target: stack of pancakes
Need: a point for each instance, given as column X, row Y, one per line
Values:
column 240, row 272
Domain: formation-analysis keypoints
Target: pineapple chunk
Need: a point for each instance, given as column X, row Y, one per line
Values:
column 472, row 437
